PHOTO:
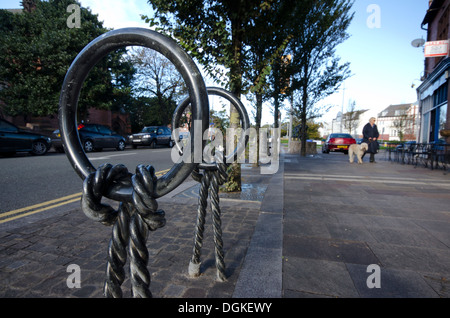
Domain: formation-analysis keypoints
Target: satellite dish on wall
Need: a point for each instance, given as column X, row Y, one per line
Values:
column 418, row 42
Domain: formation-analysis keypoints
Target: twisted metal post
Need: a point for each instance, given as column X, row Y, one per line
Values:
column 194, row 264
column 215, row 174
column 217, row 225
column 139, row 274
column 210, row 181
column 117, row 253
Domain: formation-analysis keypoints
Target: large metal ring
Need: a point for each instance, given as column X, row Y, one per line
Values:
column 245, row 122
column 80, row 69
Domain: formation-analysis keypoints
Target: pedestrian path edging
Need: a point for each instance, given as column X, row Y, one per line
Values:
column 261, row 273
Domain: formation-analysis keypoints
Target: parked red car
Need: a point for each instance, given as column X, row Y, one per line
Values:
column 338, row 143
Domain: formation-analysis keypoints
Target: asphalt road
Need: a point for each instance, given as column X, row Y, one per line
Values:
column 27, row 180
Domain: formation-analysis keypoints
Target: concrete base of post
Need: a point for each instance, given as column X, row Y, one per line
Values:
column 221, row 277
column 194, row 269
column 296, row 147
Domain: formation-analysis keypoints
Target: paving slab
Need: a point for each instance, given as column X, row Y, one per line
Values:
column 35, row 257
column 393, row 283
column 340, row 219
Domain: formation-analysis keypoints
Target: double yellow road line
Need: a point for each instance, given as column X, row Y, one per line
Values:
column 44, row 206
column 32, row 209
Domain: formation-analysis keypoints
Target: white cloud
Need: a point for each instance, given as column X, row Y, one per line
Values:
column 118, row 13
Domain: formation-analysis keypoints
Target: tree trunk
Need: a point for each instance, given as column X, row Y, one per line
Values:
column 304, row 107
column 259, row 102
column 276, row 112
column 234, row 172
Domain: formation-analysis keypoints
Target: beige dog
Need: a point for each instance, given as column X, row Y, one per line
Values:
column 358, row 151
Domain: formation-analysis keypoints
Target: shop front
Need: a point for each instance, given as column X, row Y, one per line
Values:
column 433, row 96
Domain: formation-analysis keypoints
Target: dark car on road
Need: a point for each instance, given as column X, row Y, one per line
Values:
column 13, row 139
column 93, row 137
column 338, row 143
column 152, row 136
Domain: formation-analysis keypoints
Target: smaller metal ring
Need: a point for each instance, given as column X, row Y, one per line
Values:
column 242, row 142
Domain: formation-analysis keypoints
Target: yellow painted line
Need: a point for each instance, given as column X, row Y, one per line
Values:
column 162, row 172
column 44, row 206
column 32, row 207
column 39, row 210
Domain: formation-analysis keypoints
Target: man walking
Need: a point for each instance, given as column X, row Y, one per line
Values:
column 370, row 136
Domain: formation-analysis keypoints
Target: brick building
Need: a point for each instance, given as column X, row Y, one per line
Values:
column 118, row 122
column 433, row 93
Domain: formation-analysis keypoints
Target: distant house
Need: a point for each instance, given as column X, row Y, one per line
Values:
column 399, row 122
column 351, row 123
column 362, row 119
column 395, row 123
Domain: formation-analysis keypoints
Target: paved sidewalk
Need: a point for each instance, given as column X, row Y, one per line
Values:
column 35, row 258
column 340, row 218
column 310, row 230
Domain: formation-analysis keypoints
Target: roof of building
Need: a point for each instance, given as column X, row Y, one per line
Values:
column 14, row 10
column 358, row 113
column 392, row 110
column 432, row 11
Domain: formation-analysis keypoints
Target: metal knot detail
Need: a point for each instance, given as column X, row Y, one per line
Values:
column 131, row 224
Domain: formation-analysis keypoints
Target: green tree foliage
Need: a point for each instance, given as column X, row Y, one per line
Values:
column 265, row 41
column 220, row 35
column 320, row 26
column 37, row 48
column 241, row 43
column 312, row 129
column 211, row 31
column 220, row 120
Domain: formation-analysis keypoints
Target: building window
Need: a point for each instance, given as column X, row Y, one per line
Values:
column 440, row 96
column 442, row 119
column 440, row 105
column 434, row 114
column 425, row 127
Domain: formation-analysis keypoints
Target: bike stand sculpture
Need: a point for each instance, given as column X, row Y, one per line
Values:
column 138, row 211
column 214, row 175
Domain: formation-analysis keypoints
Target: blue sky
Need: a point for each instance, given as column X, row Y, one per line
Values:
column 383, row 62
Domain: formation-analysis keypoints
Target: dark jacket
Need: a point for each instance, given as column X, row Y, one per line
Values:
column 371, row 132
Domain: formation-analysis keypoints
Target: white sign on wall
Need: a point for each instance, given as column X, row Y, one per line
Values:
column 436, row 48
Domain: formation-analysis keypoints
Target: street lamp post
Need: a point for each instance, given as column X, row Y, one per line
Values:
column 342, row 108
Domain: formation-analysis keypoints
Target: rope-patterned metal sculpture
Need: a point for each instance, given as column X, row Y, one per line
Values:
column 214, row 174
column 131, row 224
column 138, row 212
column 210, row 181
